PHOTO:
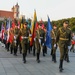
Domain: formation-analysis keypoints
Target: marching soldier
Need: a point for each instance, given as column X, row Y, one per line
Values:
column 16, row 39
column 54, row 45
column 11, row 39
column 63, row 37
column 24, row 33
column 39, row 40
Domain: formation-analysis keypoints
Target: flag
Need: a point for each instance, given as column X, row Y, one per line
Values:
column 48, row 37
column 43, row 26
column 33, row 28
column 2, row 31
column 8, row 28
column 13, row 24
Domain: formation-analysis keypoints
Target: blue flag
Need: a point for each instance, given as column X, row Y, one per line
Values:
column 48, row 37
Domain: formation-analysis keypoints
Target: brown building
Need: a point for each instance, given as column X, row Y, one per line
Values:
column 14, row 13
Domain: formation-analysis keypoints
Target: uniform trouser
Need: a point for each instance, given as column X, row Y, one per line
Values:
column 8, row 44
column 72, row 48
column 20, row 48
column 44, row 50
column 15, row 48
column 29, row 47
column 5, row 43
column 34, row 48
column 38, row 49
column 11, row 48
column 24, row 50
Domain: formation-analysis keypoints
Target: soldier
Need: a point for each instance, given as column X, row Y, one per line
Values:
column 16, row 39
column 63, row 37
column 11, row 39
column 44, row 46
column 40, row 37
column 24, row 33
column 54, row 45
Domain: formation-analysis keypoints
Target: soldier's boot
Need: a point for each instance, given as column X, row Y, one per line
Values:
column 33, row 51
column 55, row 58
column 67, row 57
column 51, row 52
column 52, row 57
column 61, row 66
column 44, row 52
column 24, row 57
column 38, row 60
column 11, row 50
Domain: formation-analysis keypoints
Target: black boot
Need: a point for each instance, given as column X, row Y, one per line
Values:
column 61, row 65
column 54, row 58
column 67, row 58
column 24, row 57
column 38, row 58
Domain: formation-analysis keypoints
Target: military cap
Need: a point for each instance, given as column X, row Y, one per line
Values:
column 55, row 25
column 66, row 21
column 25, row 23
column 40, row 24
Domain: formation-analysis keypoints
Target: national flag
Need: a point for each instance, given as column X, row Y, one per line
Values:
column 48, row 37
column 33, row 28
column 8, row 28
column 43, row 26
column 2, row 31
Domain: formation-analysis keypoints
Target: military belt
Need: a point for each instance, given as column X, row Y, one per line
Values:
column 63, row 39
column 41, row 37
column 24, row 37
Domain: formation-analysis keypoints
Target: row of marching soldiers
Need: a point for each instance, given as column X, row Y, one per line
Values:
column 21, row 38
column 60, row 37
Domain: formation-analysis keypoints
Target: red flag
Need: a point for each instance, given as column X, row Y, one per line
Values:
column 42, row 24
column 13, row 25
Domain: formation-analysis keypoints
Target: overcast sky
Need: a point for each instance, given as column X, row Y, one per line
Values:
column 55, row 9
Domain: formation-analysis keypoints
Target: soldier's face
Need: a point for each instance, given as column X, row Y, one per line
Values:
column 55, row 27
column 25, row 25
column 65, row 24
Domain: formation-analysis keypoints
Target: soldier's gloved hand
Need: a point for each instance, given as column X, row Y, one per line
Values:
column 55, row 45
column 43, row 44
column 14, row 37
column 21, row 37
column 45, row 39
column 39, row 41
column 34, row 39
column 30, row 35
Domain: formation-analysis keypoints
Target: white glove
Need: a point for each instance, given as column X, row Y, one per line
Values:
column 43, row 44
column 39, row 41
column 22, row 37
column 14, row 37
column 45, row 39
column 34, row 39
column 54, row 45
column 25, row 37
column 14, row 41
column 30, row 35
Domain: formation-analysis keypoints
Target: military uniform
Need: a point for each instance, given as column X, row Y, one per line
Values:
column 24, row 42
column 63, row 38
column 54, row 45
column 16, row 40
column 40, row 37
